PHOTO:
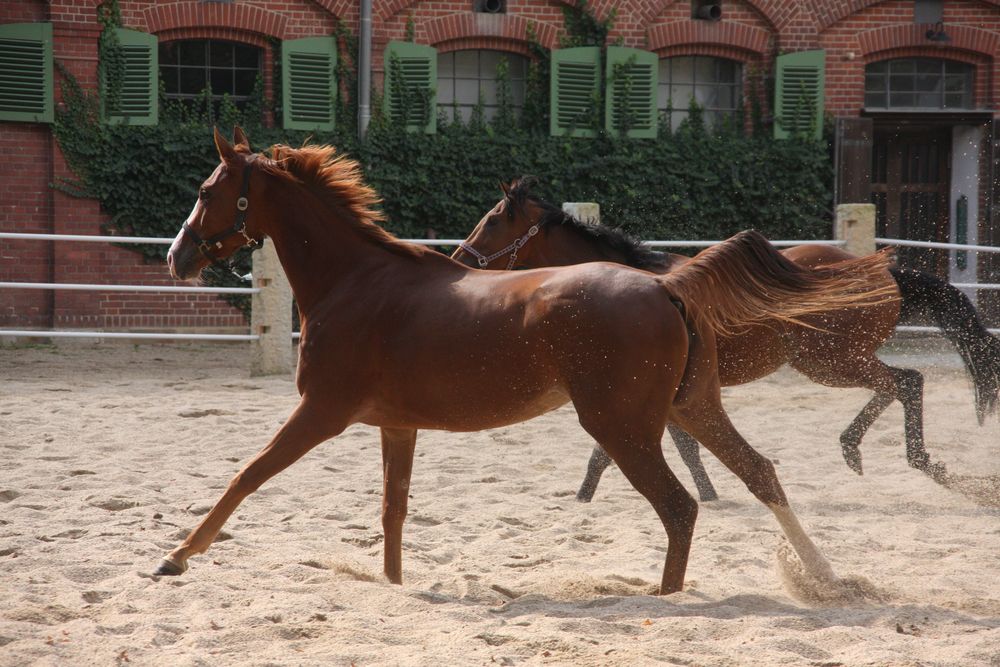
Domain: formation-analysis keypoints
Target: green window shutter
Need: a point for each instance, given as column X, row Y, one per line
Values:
column 138, row 102
column 574, row 90
column 798, row 94
column 308, row 83
column 410, row 85
column 26, row 72
column 630, row 94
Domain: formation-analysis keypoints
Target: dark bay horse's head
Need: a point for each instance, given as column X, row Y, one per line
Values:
column 222, row 220
column 499, row 239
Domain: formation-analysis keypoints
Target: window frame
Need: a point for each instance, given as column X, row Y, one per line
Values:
column 452, row 109
column 668, row 111
column 240, row 100
column 884, row 77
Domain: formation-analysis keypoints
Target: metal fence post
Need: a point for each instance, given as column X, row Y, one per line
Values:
column 585, row 211
column 855, row 225
column 271, row 315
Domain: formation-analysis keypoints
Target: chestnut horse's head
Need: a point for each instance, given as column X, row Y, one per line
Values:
column 223, row 219
column 504, row 232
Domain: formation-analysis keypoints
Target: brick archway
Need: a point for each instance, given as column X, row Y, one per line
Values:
column 829, row 12
column 731, row 36
column 469, row 27
column 766, row 8
column 166, row 17
column 963, row 38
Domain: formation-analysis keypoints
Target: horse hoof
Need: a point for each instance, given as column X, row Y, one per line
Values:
column 168, row 568
column 584, row 497
column 852, row 456
column 936, row 471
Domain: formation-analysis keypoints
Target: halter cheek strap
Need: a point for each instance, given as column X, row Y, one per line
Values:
column 484, row 260
column 207, row 246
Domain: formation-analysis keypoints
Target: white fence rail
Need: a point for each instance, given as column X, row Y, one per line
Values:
column 256, row 291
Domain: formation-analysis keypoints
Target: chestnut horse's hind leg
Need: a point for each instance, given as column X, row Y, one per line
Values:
column 397, row 464
column 708, row 422
column 686, row 446
column 304, row 430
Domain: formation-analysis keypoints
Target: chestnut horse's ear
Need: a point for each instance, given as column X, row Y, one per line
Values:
column 505, row 188
column 226, row 151
column 240, row 141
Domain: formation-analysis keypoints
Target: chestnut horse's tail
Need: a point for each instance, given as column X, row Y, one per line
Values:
column 745, row 280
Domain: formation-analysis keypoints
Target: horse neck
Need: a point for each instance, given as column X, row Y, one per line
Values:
column 318, row 251
column 564, row 245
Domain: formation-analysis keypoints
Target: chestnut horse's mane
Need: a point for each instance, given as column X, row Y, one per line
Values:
column 339, row 181
column 635, row 253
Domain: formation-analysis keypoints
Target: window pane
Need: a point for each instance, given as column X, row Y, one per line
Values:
column 518, row 66
column 874, row 82
column 725, row 97
column 904, row 66
column 488, row 61
column 680, row 96
column 220, row 54
column 728, row 70
column 875, row 100
column 192, row 80
column 467, row 64
column 901, row 99
column 954, row 67
column 446, row 91
column 245, row 80
column 446, row 64
column 467, row 91
column 169, row 76
column 704, row 70
column 665, row 70
column 682, row 70
column 246, row 56
column 222, row 81
column 192, row 53
column 880, row 66
column 955, row 101
column 676, row 118
column 928, row 66
column 902, row 83
column 517, row 93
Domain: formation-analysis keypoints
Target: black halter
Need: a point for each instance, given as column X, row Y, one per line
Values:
column 206, row 246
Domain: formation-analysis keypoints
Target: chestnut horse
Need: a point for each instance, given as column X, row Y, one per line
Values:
column 404, row 338
column 524, row 231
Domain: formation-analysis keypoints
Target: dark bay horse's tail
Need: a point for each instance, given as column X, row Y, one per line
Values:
column 955, row 315
column 745, row 280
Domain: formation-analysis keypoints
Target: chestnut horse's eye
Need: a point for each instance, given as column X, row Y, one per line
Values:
column 204, row 194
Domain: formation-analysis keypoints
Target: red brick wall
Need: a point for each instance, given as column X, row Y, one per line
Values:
column 853, row 32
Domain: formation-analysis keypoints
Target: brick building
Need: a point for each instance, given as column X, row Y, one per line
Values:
column 912, row 85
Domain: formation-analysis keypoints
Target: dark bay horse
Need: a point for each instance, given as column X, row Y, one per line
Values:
column 404, row 338
column 524, row 231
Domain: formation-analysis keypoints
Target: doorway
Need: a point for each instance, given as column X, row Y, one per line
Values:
column 911, row 183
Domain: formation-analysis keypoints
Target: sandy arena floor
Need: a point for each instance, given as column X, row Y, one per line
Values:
column 109, row 454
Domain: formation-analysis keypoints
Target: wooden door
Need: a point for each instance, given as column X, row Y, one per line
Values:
column 911, row 184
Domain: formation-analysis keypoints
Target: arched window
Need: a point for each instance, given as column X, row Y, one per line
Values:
column 189, row 66
column 919, row 83
column 716, row 84
column 465, row 75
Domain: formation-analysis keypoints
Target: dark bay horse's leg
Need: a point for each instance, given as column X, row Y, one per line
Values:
column 599, row 462
column 708, row 422
column 910, row 384
column 304, row 430
column 850, row 439
column 686, row 446
column 397, row 464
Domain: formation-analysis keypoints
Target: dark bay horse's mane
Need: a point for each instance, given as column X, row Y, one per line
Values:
column 615, row 239
column 338, row 180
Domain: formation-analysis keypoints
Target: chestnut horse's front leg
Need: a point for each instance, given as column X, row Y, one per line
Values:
column 397, row 464
column 304, row 429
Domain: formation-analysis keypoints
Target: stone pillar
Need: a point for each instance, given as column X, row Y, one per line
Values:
column 855, row 224
column 271, row 315
column 586, row 211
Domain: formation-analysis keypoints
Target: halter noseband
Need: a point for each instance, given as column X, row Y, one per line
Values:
column 512, row 249
column 239, row 227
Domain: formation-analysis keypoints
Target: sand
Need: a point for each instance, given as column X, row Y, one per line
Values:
column 110, row 453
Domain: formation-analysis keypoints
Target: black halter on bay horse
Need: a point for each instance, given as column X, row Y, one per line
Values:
column 401, row 337
column 838, row 349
